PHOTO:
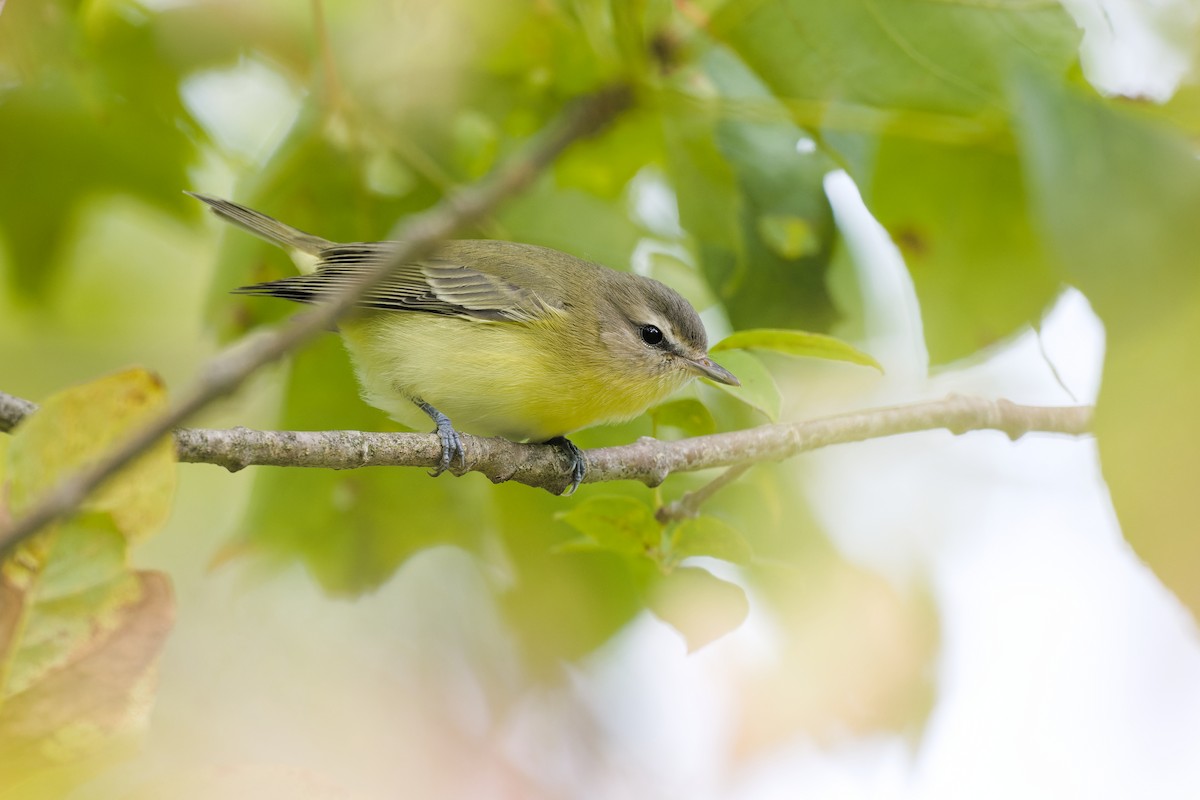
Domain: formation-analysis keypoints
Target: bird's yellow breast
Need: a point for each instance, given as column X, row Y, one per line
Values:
column 519, row 380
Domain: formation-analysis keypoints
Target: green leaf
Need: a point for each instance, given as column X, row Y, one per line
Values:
column 753, row 203
column 137, row 138
column 915, row 99
column 789, row 237
column 562, row 606
column 80, row 635
column 475, row 143
column 688, row 415
column 620, row 524
column 699, row 605
column 1138, row 263
column 796, row 343
column 980, row 270
column 77, row 580
column 550, row 217
column 709, row 536
column 706, row 191
column 914, row 60
column 603, row 165
column 559, row 604
column 581, row 544
column 758, row 389
column 1119, row 198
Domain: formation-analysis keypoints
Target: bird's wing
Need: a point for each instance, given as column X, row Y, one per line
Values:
column 433, row 285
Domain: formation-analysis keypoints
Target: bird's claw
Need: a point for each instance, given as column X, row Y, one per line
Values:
column 452, row 446
column 578, row 462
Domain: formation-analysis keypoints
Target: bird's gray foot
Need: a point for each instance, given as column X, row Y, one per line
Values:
column 451, row 442
column 578, row 461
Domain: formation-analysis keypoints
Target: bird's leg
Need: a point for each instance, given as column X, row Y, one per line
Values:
column 578, row 461
column 451, row 441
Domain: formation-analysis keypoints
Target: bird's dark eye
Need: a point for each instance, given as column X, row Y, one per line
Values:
column 651, row 335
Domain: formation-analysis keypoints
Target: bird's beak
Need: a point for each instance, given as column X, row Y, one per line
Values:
column 713, row 371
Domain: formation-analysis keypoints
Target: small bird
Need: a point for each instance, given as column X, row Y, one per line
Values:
column 506, row 339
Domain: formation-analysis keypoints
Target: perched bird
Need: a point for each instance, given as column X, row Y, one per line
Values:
column 504, row 339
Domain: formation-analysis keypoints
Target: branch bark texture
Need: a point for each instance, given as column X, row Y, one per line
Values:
column 648, row 461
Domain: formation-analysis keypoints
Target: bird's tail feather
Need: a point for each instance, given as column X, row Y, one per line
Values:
column 263, row 226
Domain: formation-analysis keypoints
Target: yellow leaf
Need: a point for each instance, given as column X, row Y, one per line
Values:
column 94, row 696
column 74, row 427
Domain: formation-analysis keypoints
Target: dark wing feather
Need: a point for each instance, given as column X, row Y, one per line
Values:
column 434, row 286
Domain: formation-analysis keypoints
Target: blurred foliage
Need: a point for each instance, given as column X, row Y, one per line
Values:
column 752, row 199
column 1118, row 197
column 81, row 632
column 913, row 100
column 999, row 175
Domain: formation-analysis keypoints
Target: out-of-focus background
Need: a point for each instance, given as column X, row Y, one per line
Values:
column 990, row 198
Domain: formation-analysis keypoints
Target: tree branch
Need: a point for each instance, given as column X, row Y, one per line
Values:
column 416, row 237
column 13, row 410
column 689, row 504
column 648, row 460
